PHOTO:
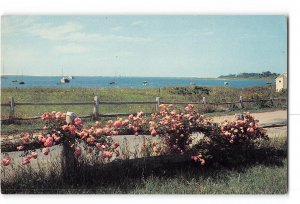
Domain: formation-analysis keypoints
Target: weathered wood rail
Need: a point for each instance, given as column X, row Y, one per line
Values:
column 97, row 104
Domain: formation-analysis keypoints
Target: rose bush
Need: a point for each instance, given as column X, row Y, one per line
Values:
column 232, row 142
column 176, row 127
column 173, row 126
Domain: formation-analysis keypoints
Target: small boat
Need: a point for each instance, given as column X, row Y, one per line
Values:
column 70, row 77
column 14, row 81
column 21, row 82
column 64, row 80
column 112, row 82
column 269, row 83
column 145, row 83
column 226, row 83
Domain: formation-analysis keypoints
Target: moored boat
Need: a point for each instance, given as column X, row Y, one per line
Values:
column 64, row 80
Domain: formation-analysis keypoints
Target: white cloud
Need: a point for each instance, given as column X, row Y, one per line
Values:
column 202, row 32
column 208, row 33
column 117, row 28
column 69, row 31
column 14, row 24
column 71, row 49
column 49, row 32
column 127, row 38
column 137, row 23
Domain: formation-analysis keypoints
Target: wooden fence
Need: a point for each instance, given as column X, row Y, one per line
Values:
column 96, row 103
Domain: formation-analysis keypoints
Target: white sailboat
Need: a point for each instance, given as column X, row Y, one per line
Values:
column 65, row 79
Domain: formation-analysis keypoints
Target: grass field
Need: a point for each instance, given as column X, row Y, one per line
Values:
column 267, row 176
column 170, row 94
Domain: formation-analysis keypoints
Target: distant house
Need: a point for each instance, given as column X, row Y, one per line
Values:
column 281, row 82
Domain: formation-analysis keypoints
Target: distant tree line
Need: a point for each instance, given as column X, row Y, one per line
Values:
column 266, row 74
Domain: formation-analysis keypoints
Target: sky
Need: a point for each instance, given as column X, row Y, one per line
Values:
column 154, row 46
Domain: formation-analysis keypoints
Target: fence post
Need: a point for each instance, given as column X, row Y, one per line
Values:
column 96, row 108
column 271, row 100
column 241, row 102
column 69, row 163
column 11, row 108
column 157, row 103
column 204, row 100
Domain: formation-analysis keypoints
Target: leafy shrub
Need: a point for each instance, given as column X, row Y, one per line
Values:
column 228, row 142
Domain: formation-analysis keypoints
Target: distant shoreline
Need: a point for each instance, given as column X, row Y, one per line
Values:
column 266, row 78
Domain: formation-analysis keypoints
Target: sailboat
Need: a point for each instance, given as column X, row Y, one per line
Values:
column 22, row 82
column 65, row 79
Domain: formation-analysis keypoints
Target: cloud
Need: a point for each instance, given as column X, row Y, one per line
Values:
column 202, row 32
column 50, row 32
column 137, row 23
column 71, row 32
column 117, row 28
column 12, row 25
column 208, row 33
column 71, row 49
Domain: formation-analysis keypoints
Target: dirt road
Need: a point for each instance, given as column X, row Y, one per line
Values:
column 264, row 118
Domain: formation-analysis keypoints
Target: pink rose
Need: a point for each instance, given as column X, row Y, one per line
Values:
column 25, row 161
column 153, row 133
column 6, row 161
column 46, row 150
column 77, row 121
column 20, row 148
column 117, row 124
column 48, row 142
column 34, row 155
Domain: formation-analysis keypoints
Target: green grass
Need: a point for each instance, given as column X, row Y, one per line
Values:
column 257, row 179
column 263, row 177
column 187, row 94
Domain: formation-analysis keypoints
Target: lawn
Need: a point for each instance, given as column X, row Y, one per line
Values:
column 267, row 176
column 170, row 94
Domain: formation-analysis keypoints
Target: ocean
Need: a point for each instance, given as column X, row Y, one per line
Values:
column 120, row 82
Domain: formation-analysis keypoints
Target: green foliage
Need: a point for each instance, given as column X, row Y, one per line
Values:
column 266, row 74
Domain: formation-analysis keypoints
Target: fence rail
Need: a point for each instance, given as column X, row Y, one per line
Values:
column 97, row 103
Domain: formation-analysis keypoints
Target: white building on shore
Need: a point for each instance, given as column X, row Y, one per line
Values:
column 281, row 82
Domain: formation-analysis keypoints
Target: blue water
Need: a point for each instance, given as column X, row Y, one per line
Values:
column 121, row 82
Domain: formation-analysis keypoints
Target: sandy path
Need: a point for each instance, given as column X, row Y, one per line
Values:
column 264, row 118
